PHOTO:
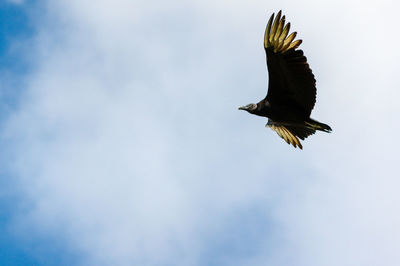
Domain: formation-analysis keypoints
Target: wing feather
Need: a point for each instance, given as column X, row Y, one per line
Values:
column 284, row 33
column 284, row 133
column 291, row 81
column 279, row 30
column 267, row 31
column 274, row 27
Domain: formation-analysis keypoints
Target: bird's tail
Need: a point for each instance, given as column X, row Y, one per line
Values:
column 311, row 123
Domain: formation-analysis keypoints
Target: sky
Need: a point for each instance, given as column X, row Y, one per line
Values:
column 121, row 142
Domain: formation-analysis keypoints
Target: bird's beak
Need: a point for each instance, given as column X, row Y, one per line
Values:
column 242, row 108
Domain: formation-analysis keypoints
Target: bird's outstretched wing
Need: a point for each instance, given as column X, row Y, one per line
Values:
column 284, row 133
column 291, row 81
column 290, row 133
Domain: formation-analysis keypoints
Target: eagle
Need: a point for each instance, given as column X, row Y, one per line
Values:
column 291, row 87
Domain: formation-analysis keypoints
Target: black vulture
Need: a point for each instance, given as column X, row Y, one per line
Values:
column 291, row 88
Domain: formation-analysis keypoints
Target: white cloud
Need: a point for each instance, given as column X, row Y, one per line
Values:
column 129, row 144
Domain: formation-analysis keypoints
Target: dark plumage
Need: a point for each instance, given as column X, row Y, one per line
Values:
column 291, row 89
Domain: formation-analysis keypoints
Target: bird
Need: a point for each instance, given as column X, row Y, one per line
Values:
column 292, row 89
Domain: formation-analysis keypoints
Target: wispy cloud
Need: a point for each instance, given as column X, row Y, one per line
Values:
column 129, row 146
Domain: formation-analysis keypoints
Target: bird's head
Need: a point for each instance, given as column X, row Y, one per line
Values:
column 251, row 107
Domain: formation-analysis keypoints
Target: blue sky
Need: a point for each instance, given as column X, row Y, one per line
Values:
column 14, row 25
column 122, row 143
column 19, row 248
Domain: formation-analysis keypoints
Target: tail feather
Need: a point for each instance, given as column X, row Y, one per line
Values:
column 301, row 132
column 291, row 133
column 311, row 123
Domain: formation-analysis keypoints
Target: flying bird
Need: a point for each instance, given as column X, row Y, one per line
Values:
column 291, row 87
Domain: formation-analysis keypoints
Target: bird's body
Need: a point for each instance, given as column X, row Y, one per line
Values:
column 279, row 112
column 291, row 89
